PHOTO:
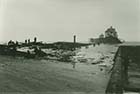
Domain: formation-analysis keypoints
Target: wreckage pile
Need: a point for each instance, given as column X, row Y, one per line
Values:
column 89, row 55
column 102, row 55
column 61, row 51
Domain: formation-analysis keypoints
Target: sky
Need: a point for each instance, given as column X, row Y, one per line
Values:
column 59, row 20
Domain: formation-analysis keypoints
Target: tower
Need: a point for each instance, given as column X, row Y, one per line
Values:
column 111, row 32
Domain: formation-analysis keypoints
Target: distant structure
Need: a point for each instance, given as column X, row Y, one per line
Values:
column 111, row 32
column 109, row 37
column 101, row 36
column 91, row 40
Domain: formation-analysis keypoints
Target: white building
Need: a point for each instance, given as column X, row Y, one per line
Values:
column 111, row 32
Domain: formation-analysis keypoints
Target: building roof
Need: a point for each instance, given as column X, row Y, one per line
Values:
column 111, row 29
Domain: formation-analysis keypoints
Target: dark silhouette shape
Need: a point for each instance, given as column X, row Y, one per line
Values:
column 17, row 44
column 35, row 40
column 28, row 41
column 11, row 48
column 25, row 41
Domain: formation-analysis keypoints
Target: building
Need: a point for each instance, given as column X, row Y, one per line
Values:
column 111, row 32
column 101, row 36
column 110, row 36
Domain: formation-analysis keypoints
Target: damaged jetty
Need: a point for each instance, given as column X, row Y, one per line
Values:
column 125, row 76
column 33, row 49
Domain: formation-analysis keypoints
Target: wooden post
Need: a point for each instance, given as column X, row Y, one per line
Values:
column 74, row 41
column 74, row 38
column 35, row 40
column 74, row 63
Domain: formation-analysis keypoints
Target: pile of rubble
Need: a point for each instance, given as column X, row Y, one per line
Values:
column 60, row 55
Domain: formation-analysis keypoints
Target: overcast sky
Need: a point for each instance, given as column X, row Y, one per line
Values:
column 59, row 20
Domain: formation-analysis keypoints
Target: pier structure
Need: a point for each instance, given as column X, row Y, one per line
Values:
column 125, row 75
